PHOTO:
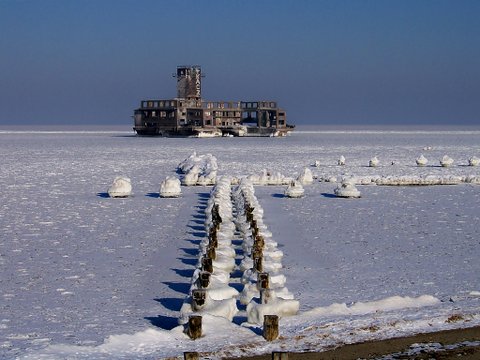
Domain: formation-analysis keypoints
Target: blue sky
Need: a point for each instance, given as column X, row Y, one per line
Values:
column 326, row 62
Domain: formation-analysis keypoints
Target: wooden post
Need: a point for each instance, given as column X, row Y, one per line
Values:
column 191, row 356
column 278, row 355
column 259, row 241
column 270, row 327
column 265, row 296
column 207, row 264
column 263, row 281
column 211, row 252
column 204, row 279
column 194, row 330
column 212, row 235
column 256, row 252
column 198, row 299
column 213, row 242
column 258, row 264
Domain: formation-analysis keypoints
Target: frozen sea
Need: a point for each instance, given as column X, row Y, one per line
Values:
column 85, row 275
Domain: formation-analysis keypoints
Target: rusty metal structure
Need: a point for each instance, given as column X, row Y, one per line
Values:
column 189, row 115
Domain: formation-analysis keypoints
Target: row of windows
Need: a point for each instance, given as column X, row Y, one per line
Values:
column 160, row 103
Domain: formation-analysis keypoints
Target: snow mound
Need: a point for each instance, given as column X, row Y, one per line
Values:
column 421, row 160
column 347, row 189
column 294, row 190
column 473, row 161
column 446, row 161
column 362, row 308
column 121, row 187
column 170, row 187
column 373, row 162
column 271, row 305
column 341, row 161
column 199, row 170
column 306, row 177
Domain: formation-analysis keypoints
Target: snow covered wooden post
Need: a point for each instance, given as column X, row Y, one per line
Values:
column 278, row 355
column 207, row 264
column 204, row 279
column 212, row 236
column 194, row 330
column 262, row 281
column 259, row 241
column 270, row 327
column 258, row 264
column 199, row 297
column 211, row 253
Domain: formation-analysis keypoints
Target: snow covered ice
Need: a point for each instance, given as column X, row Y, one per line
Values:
column 85, row 275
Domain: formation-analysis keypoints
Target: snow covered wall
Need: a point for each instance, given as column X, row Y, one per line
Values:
column 88, row 276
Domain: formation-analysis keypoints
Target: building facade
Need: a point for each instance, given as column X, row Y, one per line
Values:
column 189, row 115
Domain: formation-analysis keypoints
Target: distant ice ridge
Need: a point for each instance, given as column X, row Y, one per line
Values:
column 199, row 170
column 269, row 178
column 407, row 180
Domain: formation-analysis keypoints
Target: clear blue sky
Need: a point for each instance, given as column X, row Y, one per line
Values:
column 326, row 62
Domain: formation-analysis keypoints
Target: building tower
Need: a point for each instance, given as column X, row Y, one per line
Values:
column 189, row 82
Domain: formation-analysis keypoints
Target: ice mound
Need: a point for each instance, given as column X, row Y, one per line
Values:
column 121, row 187
column 373, row 162
column 347, row 189
column 226, row 308
column 294, row 190
column 341, row 161
column 305, row 177
column 199, row 170
column 170, row 187
column 473, row 161
column 446, row 161
column 421, row 160
column 271, row 305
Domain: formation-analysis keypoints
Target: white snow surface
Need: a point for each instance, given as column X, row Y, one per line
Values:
column 87, row 276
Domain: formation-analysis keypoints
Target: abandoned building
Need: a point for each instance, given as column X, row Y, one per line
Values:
column 189, row 115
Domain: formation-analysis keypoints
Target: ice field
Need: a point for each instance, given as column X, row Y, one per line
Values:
column 84, row 275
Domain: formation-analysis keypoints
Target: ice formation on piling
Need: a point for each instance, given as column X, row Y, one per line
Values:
column 421, row 160
column 373, row 162
column 473, row 161
column 347, row 189
column 342, row 160
column 121, row 187
column 446, row 161
column 306, row 177
column 294, row 190
column 264, row 289
column 170, row 187
column 199, row 170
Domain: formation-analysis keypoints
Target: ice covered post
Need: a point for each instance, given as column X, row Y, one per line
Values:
column 270, row 327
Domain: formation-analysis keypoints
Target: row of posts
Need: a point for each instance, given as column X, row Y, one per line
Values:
column 270, row 322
